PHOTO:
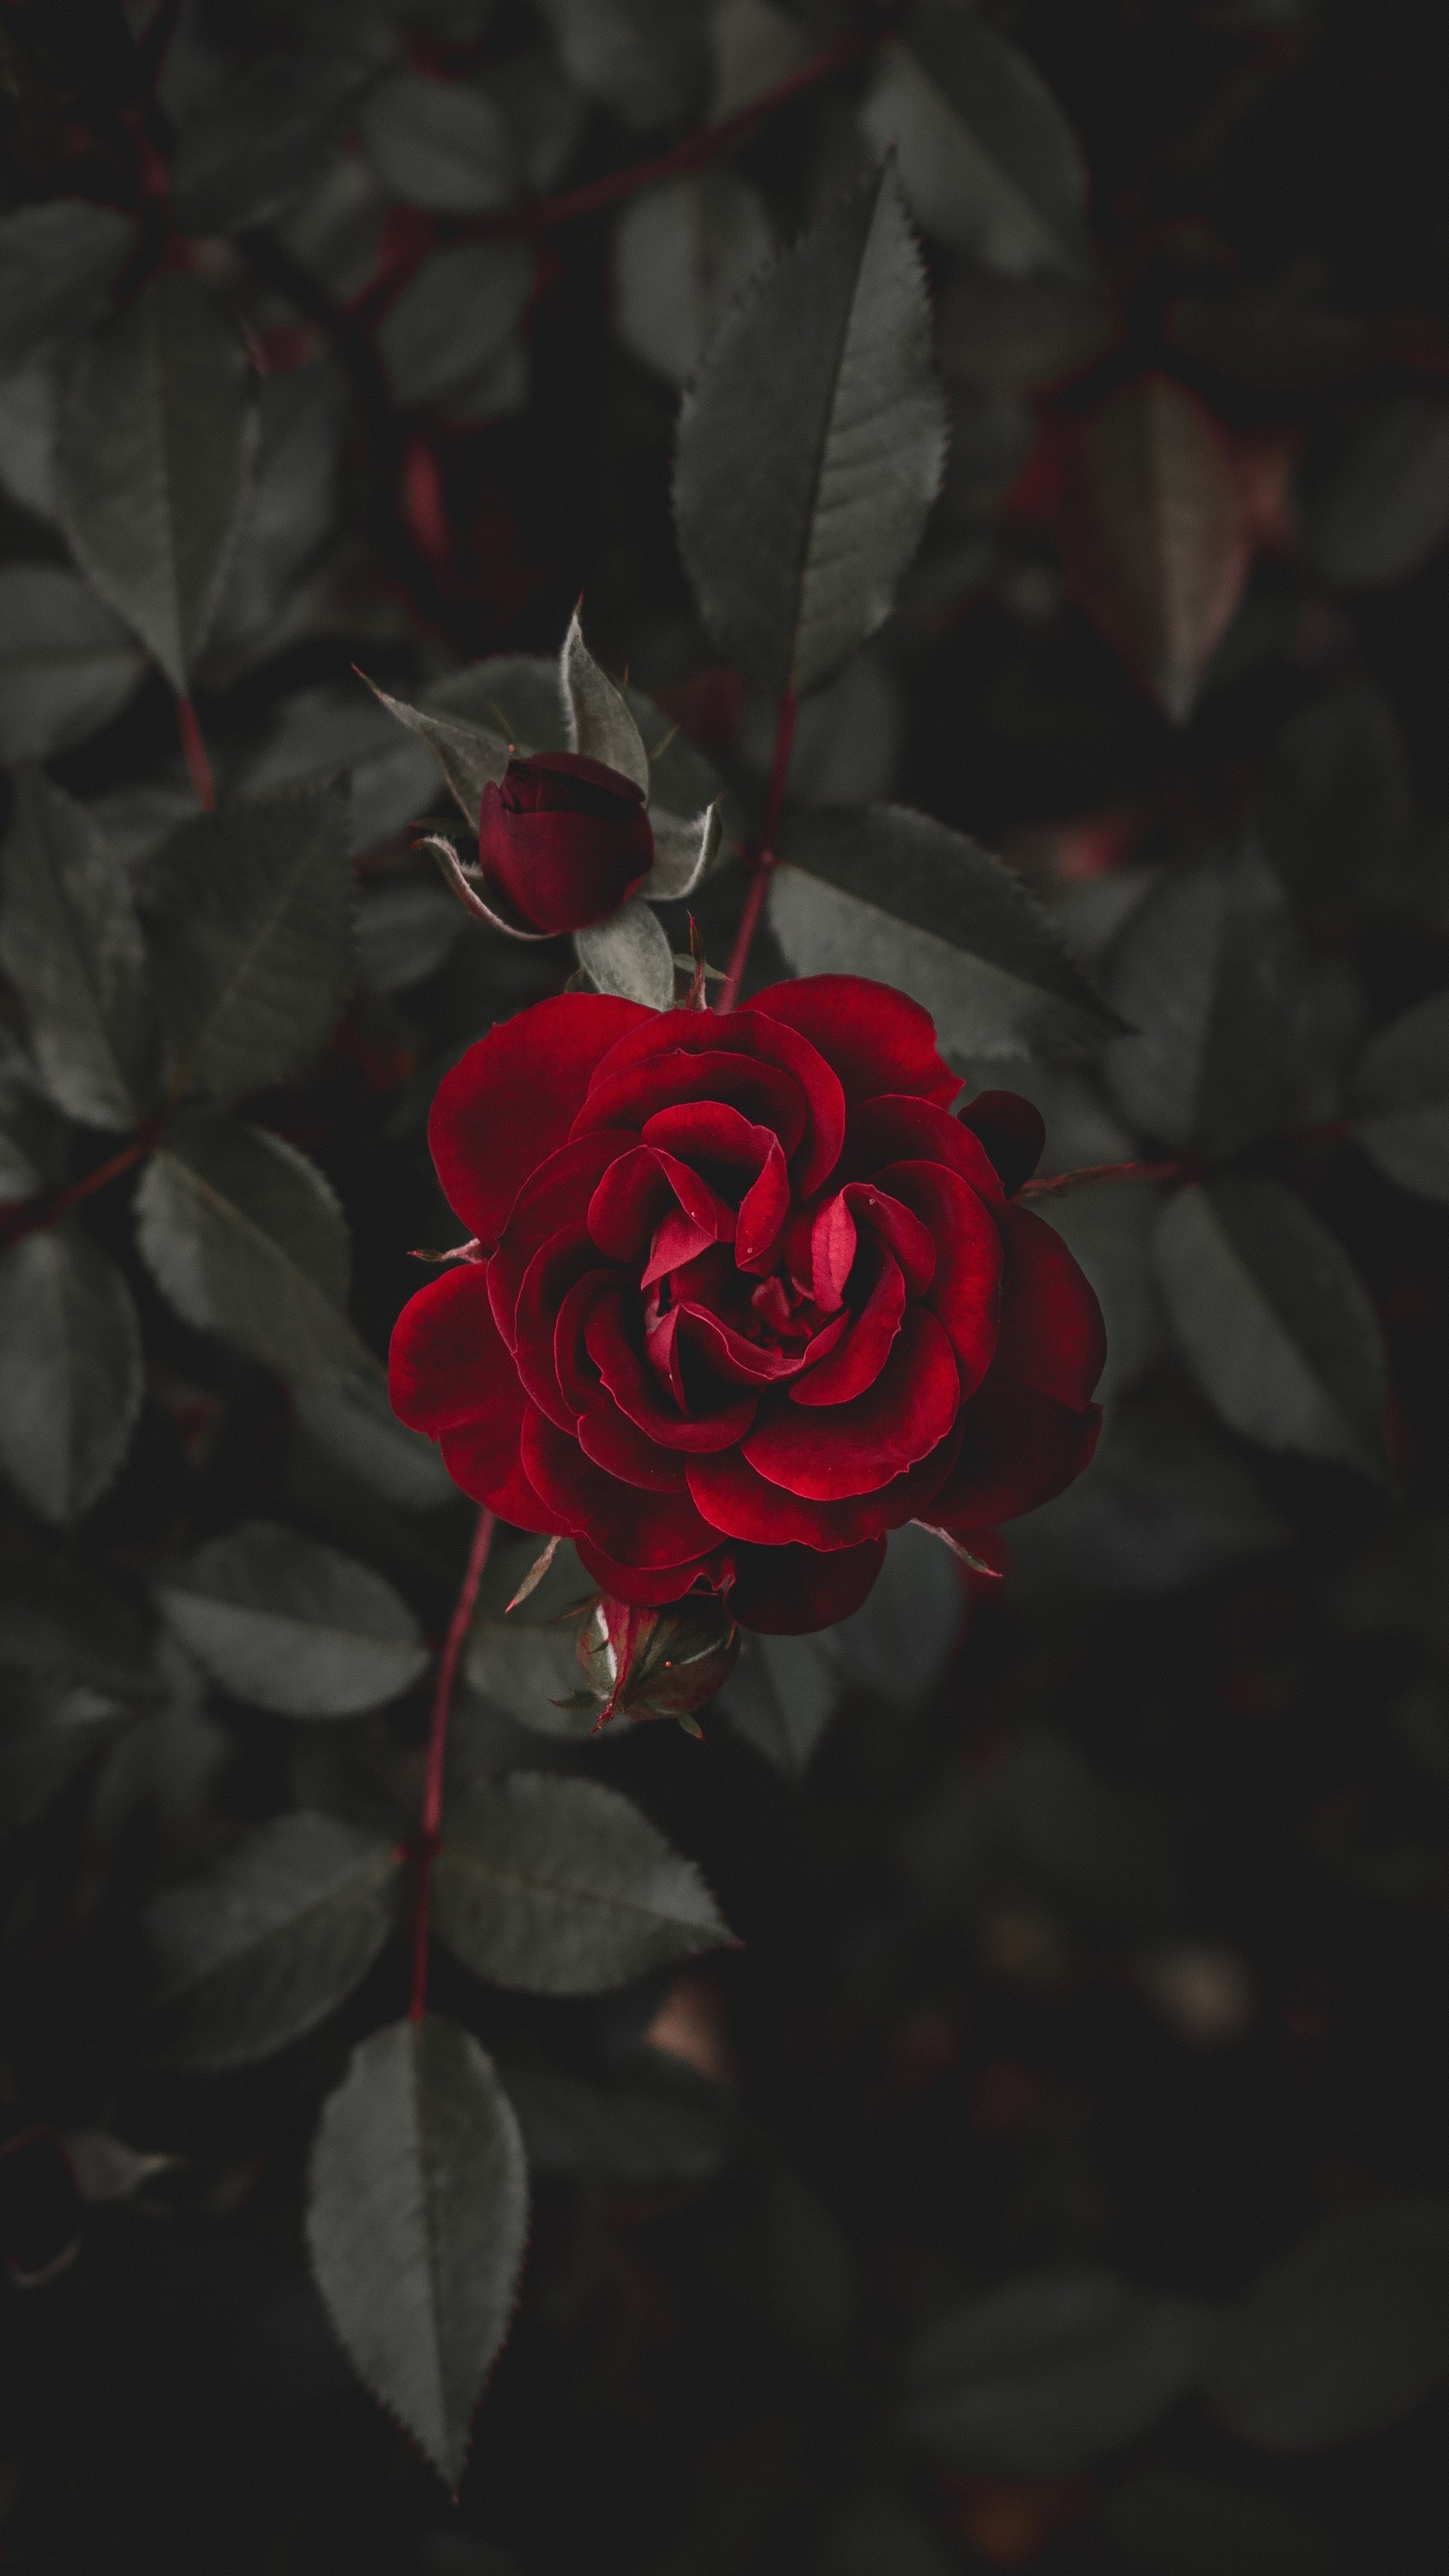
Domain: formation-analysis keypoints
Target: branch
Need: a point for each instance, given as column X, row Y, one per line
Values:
column 33, row 1216
column 432, row 1812
column 764, row 860
column 1177, row 1167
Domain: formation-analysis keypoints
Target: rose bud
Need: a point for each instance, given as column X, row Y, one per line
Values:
column 652, row 1663
column 564, row 839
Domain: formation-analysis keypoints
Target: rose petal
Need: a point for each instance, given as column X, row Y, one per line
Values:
column 875, row 1038
column 558, row 1195
column 898, row 1130
column 649, row 1589
column 563, row 871
column 567, row 1257
column 614, row 1443
column 1020, row 1448
column 854, row 1448
column 634, row 1093
column 861, row 1353
column 908, row 1241
column 763, row 1210
column 635, row 1389
column 1052, row 1334
column 447, row 1360
column 641, row 1187
column 966, row 1292
column 483, row 1464
column 751, row 1035
column 743, row 1504
column 569, row 771
column 833, row 1246
column 642, row 1529
column 790, row 1591
column 741, row 1362
column 1012, row 1130
column 513, row 1097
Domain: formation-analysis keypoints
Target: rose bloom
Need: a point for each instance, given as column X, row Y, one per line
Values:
column 744, row 1296
column 564, row 839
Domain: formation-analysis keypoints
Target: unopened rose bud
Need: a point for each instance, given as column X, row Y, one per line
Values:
column 564, row 839
column 657, row 1663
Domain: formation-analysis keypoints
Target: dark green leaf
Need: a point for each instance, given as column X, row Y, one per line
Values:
column 625, row 2133
column 1043, row 2377
column 247, row 1241
column 254, row 141
column 1345, row 2333
column 405, row 930
column 417, row 2222
column 630, row 954
column 1339, row 807
column 1274, row 1321
column 1199, row 974
column 1403, row 1082
column 439, row 144
column 645, row 57
column 938, row 916
column 523, row 1660
column 71, row 945
column 56, row 261
column 456, row 315
column 681, row 255
column 811, row 446
column 294, row 1626
column 29, row 400
column 1165, row 1503
column 561, row 1887
column 987, row 158
column 325, row 734
column 70, row 1371
column 351, row 1421
column 468, row 755
column 1378, row 505
column 252, row 918
column 66, row 664
column 1166, row 2521
column 152, row 508
column 268, row 1944
column 782, row 1695
column 288, row 514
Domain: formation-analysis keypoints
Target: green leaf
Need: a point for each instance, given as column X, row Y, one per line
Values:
column 1199, row 974
column 417, row 2222
column 939, row 917
column 70, row 1371
column 784, row 1691
column 1044, row 2376
column 1275, row 1322
column 987, row 159
column 245, row 1238
column 29, row 399
column 351, row 1421
column 71, row 945
column 682, row 254
column 455, row 316
column 273, row 1940
column 1347, row 2332
column 646, row 58
column 152, row 508
column 405, row 931
column 468, row 755
column 630, row 954
column 439, row 144
column 811, row 446
column 292, row 1625
column 561, row 1887
column 56, row 261
column 255, row 140
column 1377, row 506
column 287, row 518
column 599, row 718
column 523, row 1660
column 66, row 664
column 1403, row 1085
column 252, row 932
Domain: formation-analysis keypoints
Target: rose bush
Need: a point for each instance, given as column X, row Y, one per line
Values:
column 744, row 1296
column 563, row 839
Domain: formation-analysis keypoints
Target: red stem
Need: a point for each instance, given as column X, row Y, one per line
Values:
column 432, row 1814
column 198, row 767
column 1177, row 1167
column 32, row 1216
column 764, row 856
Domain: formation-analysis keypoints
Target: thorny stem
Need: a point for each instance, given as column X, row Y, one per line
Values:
column 432, row 1811
column 32, row 1216
column 764, row 856
column 198, row 764
column 1177, row 1167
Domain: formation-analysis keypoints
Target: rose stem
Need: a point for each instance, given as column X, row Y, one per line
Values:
column 432, row 1815
column 764, row 858
column 198, row 767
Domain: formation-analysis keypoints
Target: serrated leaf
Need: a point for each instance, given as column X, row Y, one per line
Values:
column 468, row 755
column 1345, row 2333
column 324, row 735
column 351, row 1421
column 66, row 664
column 246, row 1239
column 292, row 1625
column 647, row 58
column 784, row 1691
column 56, row 260
column 561, row 1887
column 269, row 1943
column 1157, row 534
column 600, row 722
column 254, row 140
column 1199, row 976
column 454, row 317
column 938, row 916
column 417, row 2221
column 811, row 446
column 251, row 921
column 523, row 1660
column 71, row 944
column 152, row 508
column 682, row 254
column 630, row 954
column 439, row 144
column 987, row 159
column 1042, row 2377
column 287, row 517
column 1274, row 1321
column 1403, row 1084
column 70, row 1371
column 404, row 931
column 1377, row 506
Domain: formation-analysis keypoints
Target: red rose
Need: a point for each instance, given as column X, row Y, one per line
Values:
column 565, row 839
column 744, row 1296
